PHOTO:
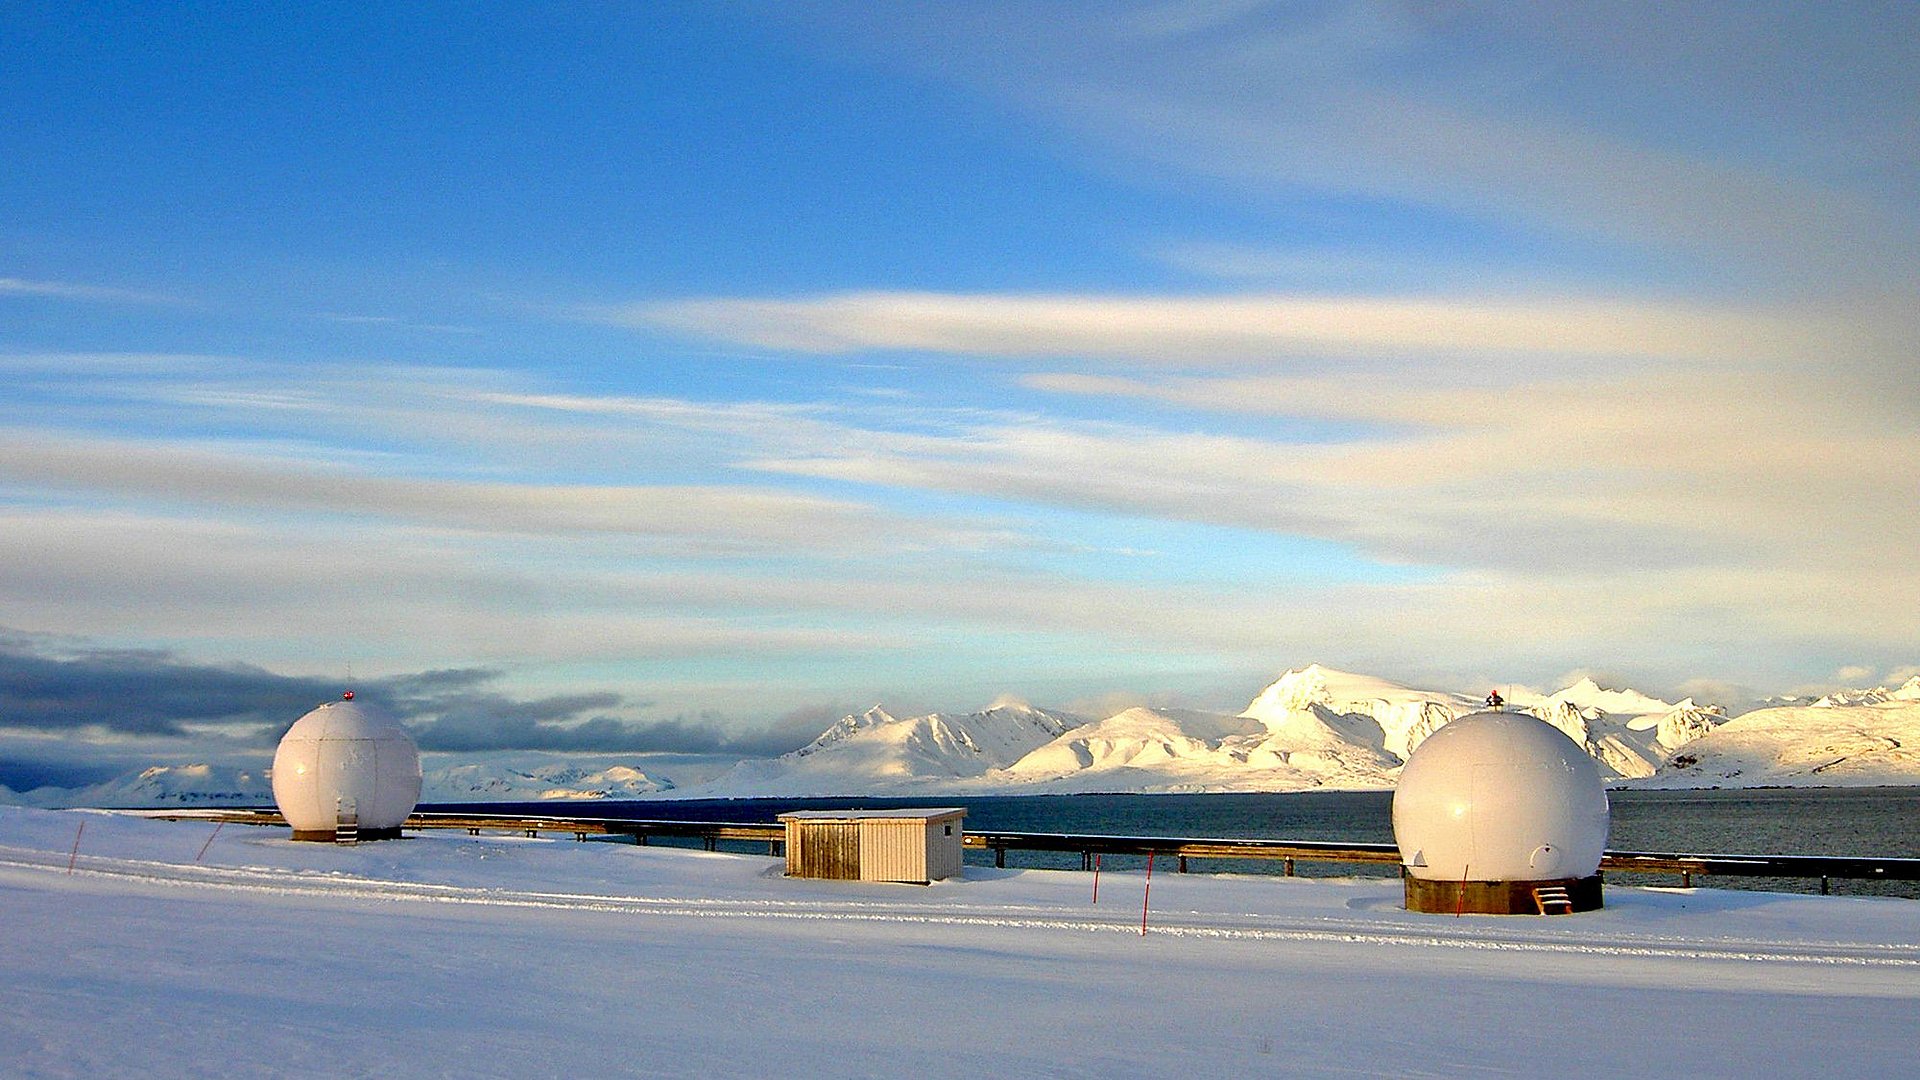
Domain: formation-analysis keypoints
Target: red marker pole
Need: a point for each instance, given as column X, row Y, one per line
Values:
column 209, row 843
column 1460, row 904
column 1096, row 877
column 1146, row 896
column 74, row 855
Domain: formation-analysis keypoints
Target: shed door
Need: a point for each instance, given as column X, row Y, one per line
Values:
column 830, row 849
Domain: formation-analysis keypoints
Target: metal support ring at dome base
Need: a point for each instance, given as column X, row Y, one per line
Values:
column 327, row 836
column 1497, row 897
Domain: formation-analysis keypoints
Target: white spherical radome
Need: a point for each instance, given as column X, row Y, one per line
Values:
column 1500, row 796
column 346, row 756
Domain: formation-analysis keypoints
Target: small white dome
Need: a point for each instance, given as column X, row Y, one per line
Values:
column 1500, row 796
column 346, row 755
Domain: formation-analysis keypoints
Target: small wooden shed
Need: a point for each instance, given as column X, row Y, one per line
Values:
column 913, row 846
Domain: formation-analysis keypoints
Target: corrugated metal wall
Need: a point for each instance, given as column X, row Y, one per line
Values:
column 943, row 849
column 824, row 849
column 893, row 849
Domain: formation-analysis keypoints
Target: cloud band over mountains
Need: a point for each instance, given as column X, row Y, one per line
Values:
column 78, row 690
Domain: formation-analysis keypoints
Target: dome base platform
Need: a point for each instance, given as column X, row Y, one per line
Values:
column 326, row 836
column 1499, row 897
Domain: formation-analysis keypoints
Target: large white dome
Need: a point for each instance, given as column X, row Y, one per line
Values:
column 346, row 756
column 1500, row 796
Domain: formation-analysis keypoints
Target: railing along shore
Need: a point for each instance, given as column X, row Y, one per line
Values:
column 1825, row 868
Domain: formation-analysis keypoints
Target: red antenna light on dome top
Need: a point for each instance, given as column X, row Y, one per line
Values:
column 348, row 696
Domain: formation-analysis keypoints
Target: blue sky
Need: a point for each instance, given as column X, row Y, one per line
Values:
column 709, row 369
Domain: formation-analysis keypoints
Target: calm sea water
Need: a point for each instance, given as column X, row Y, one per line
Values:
column 1832, row 821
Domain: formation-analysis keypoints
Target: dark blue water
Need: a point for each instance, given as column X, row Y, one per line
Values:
column 1833, row 821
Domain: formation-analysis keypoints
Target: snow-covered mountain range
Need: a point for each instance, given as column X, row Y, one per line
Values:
column 1857, row 738
column 198, row 784
column 877, row 752
column 538, row 781
column 1312, row 728
column 496, row 778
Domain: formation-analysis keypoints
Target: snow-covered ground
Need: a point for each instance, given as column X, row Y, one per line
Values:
column 450, row 955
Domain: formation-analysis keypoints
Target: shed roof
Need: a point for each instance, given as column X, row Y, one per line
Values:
column 931, row 814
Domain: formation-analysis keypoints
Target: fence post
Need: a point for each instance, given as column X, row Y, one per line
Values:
column 1146, row 896
column 209, row 843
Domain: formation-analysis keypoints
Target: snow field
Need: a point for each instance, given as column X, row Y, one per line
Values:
column 448, row 955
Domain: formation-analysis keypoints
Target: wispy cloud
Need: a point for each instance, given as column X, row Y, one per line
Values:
column 1344, row 267
column 351, row 319
column 1616, row 473
column 1562, row 130
column 715, row 518
column 678, row 411
column 1563, row 515
column 1212, row 330
column 1699, row 500
column 63, row 290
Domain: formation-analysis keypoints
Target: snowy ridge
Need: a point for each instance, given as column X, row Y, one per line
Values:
column 1907, row 691
column 498, row 778
column 1629, row 746
column 197, row 784
column 1137, row 749
column 499, row 782
column 156, row 786
column 1811, row 745
column 1404, row 716
column 877, row 752
column 846, row 728
column 1587, row 694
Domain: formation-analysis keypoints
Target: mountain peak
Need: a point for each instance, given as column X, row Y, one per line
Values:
column 1298, row 688
column 845, row 728
column 1589, row 694
column 1315, row 684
